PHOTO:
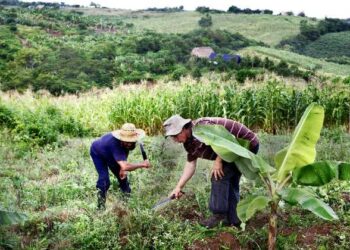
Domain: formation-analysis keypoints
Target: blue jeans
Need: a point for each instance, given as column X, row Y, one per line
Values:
column 224, row 195
column 103, row 182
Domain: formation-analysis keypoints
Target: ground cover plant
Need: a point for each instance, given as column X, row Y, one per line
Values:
column 53, row 185
column 295, row 162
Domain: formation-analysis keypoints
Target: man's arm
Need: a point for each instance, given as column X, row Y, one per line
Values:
column 127, row 166
column 189, row 170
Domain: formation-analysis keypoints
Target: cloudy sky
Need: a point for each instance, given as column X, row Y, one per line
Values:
column 312, row 8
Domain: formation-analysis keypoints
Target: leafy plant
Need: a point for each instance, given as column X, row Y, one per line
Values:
column 294, row 168
column 9, row 218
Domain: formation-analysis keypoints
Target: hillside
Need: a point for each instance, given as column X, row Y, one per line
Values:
column 74, row 50
column 331, row 45
column 264, row 28
column 303, row 61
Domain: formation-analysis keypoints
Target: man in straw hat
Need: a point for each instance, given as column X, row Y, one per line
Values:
column 111, row 151
column 225, row 179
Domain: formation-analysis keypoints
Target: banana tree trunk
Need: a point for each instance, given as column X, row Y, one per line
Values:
column 273, row 226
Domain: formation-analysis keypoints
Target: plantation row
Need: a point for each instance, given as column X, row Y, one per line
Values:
column 271, row 107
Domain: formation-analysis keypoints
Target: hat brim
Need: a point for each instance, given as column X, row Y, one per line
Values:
column 175, row 130
column 134, row 138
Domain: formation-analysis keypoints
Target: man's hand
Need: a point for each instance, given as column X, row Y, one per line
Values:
column 146, row 164
column 217, row 170
column 123, row 174
column 177, row 192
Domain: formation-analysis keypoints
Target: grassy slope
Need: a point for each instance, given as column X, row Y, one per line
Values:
column 304, row 61
column 266, row 28
column 330, row 45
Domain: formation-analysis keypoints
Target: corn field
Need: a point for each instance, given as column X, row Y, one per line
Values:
column 272, row 106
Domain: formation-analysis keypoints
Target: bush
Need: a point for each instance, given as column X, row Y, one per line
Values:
column 205, row 21
column 7, row 117
column 178, row 72
column 36, row 129
column 346, row 80
column 244, row 74
column 40, row 127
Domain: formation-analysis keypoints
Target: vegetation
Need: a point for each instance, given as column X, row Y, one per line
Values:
column 54, row 187
column 296, row 161
column 255, row 27
column 302, row 61
column 320, row 40
column 277, row 108
column 236, row 10
column 69, row 75
column 332, row 46
column 205, row 21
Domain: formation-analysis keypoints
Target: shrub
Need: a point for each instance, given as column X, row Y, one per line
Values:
column 205, row 21
column 346, row 80
column 244, row 74
column 178, row 72
column 35, row 128
column 7, row 117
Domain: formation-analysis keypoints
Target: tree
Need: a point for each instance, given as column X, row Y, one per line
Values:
column 294, row 168
column 202, row 9
column 309, row 31
column 205, row 21
column 234, row 9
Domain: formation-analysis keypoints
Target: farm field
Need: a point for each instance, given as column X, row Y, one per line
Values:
column 54, row 185
column 56, row 188
column 304, row 61
column 264, row 28
column 70, row 75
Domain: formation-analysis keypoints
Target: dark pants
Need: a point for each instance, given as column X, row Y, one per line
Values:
column 224, row 195
column 103, row 181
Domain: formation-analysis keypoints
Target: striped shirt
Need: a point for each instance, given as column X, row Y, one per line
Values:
column 196, row 149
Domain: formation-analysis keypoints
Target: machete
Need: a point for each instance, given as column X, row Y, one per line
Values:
column 143, row 152
column 164, row 201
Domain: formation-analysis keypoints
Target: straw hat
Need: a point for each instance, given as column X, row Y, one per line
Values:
column 174, row 125
column 129, row 133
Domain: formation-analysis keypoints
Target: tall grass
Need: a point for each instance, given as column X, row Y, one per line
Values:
column 270, row 106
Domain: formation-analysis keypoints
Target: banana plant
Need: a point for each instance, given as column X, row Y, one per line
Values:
column 294, row 169
column 9, row 218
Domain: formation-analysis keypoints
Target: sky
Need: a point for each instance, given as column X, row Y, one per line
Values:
column 312, row 8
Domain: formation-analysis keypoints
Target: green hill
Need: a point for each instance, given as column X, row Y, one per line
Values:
column 331, row 45
column 77, row 49
column 264, row 28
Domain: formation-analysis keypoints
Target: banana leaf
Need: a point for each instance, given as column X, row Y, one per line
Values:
column 249, row 206
column 315, row 174
column 9, row 218
column 246, row 167
column 344, row 171
column 308, row 201
column 222, row 142
column 301, row 151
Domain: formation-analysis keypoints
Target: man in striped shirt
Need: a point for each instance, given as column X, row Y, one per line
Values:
column 225, row 176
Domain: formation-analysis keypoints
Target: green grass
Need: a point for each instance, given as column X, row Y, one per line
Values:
column 306, row 62
column 55, row 187
column 265, row 28
column 330, row 45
